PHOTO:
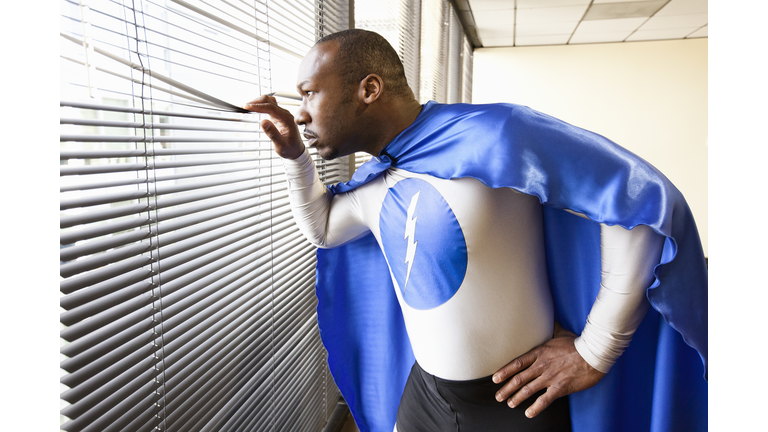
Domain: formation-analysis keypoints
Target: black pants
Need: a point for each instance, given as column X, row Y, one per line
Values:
column 432, row 404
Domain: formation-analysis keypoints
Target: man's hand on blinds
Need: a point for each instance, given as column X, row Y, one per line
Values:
column 280, row 128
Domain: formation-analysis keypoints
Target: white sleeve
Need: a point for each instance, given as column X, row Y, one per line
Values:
column 326, row 222
column 628, row 259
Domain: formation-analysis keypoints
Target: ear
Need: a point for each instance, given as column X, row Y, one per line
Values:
column 371, row 88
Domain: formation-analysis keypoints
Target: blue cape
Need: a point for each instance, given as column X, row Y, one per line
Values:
column 657, row 385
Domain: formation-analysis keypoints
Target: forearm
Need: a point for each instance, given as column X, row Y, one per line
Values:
column 628, row 260
column 324, row 221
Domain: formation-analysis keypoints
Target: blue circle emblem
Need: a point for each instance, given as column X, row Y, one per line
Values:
column 423, row 243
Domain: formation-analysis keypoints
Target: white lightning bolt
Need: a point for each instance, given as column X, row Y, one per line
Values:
column 410, row 231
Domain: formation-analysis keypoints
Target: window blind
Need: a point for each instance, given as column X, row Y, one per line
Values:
column 466, row 70
column 187, row 292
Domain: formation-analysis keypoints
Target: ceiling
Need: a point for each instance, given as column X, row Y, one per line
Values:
column 503, row 23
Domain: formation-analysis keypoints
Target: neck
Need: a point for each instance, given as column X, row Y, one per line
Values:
column 394, row 120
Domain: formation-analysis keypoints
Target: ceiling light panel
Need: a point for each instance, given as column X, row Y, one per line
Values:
column 552, row 14
column 675, row 21
column 683, row 7
column 610, row 25
column 613, row 1
column 604, row 11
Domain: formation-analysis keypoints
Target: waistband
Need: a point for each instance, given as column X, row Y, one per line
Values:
column 488, row 380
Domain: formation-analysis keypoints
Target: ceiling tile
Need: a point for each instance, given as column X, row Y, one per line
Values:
column 613, row 1
column 578, row 38
column 683, row 7
column 660, row 34
column 501, row 19
column 497, row 41
column 483, row 5
column 551, row 14
column 542, row 29
column 549, row 3
column 702, row 32
column 623, row 10
column 675, row 21
column 542, row 40
column 610, row 25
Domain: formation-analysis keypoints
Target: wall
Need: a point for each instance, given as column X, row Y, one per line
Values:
column 649, row 97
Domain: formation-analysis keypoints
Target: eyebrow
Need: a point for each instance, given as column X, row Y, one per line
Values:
column 302, row 84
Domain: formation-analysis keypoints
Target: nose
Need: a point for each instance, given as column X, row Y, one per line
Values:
column 302, row 116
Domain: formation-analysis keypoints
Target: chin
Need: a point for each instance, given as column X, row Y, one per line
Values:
column 328, row 153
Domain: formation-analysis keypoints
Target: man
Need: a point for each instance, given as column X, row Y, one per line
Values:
column 453, row 202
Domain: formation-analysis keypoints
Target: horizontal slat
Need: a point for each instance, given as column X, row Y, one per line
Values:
column 213, row 373
column 175, row 151
column 147, row 139
column 93, row 200
column 165, row 206
column 84, row 170
column 185, row 322
column 100, row 327
column 122, row 344
column 101, row 415
column 234, row 117
column 301, row 334
column 119, row 328
column 103, row 259
column 81, row 389
column 116, row 274
column 200, row 264
column 68, row 221
column 153, row 126
column 258, row 268
column 219, row 423
column 149, row 409
column 99, row 300
column 115, row 197
column 206, row 214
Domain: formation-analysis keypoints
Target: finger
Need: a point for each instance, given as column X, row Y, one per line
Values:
column 526, row 391
column 285, row 146
column 263, row 99
column 515, row 366
column 271, row 131
column 520, row 387
column 542, row 402
column 267, row 107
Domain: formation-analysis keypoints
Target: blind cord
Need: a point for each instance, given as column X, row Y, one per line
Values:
column 157, row 295
column 271, row 218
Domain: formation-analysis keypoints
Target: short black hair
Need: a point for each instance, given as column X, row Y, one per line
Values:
column 363, row 52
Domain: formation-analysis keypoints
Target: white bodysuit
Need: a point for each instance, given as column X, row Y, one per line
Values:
column 468, row 265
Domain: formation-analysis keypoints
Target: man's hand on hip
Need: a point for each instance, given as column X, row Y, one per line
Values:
column 554, row 365
column 281, row 128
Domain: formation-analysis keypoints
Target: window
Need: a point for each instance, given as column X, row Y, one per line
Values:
column 187, row 292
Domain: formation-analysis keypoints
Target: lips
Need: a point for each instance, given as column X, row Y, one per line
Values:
column 311, row 138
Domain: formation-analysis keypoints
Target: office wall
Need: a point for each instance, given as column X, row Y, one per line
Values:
column 650, row 97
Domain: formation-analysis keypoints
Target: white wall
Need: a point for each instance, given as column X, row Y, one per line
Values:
column 649, row 97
